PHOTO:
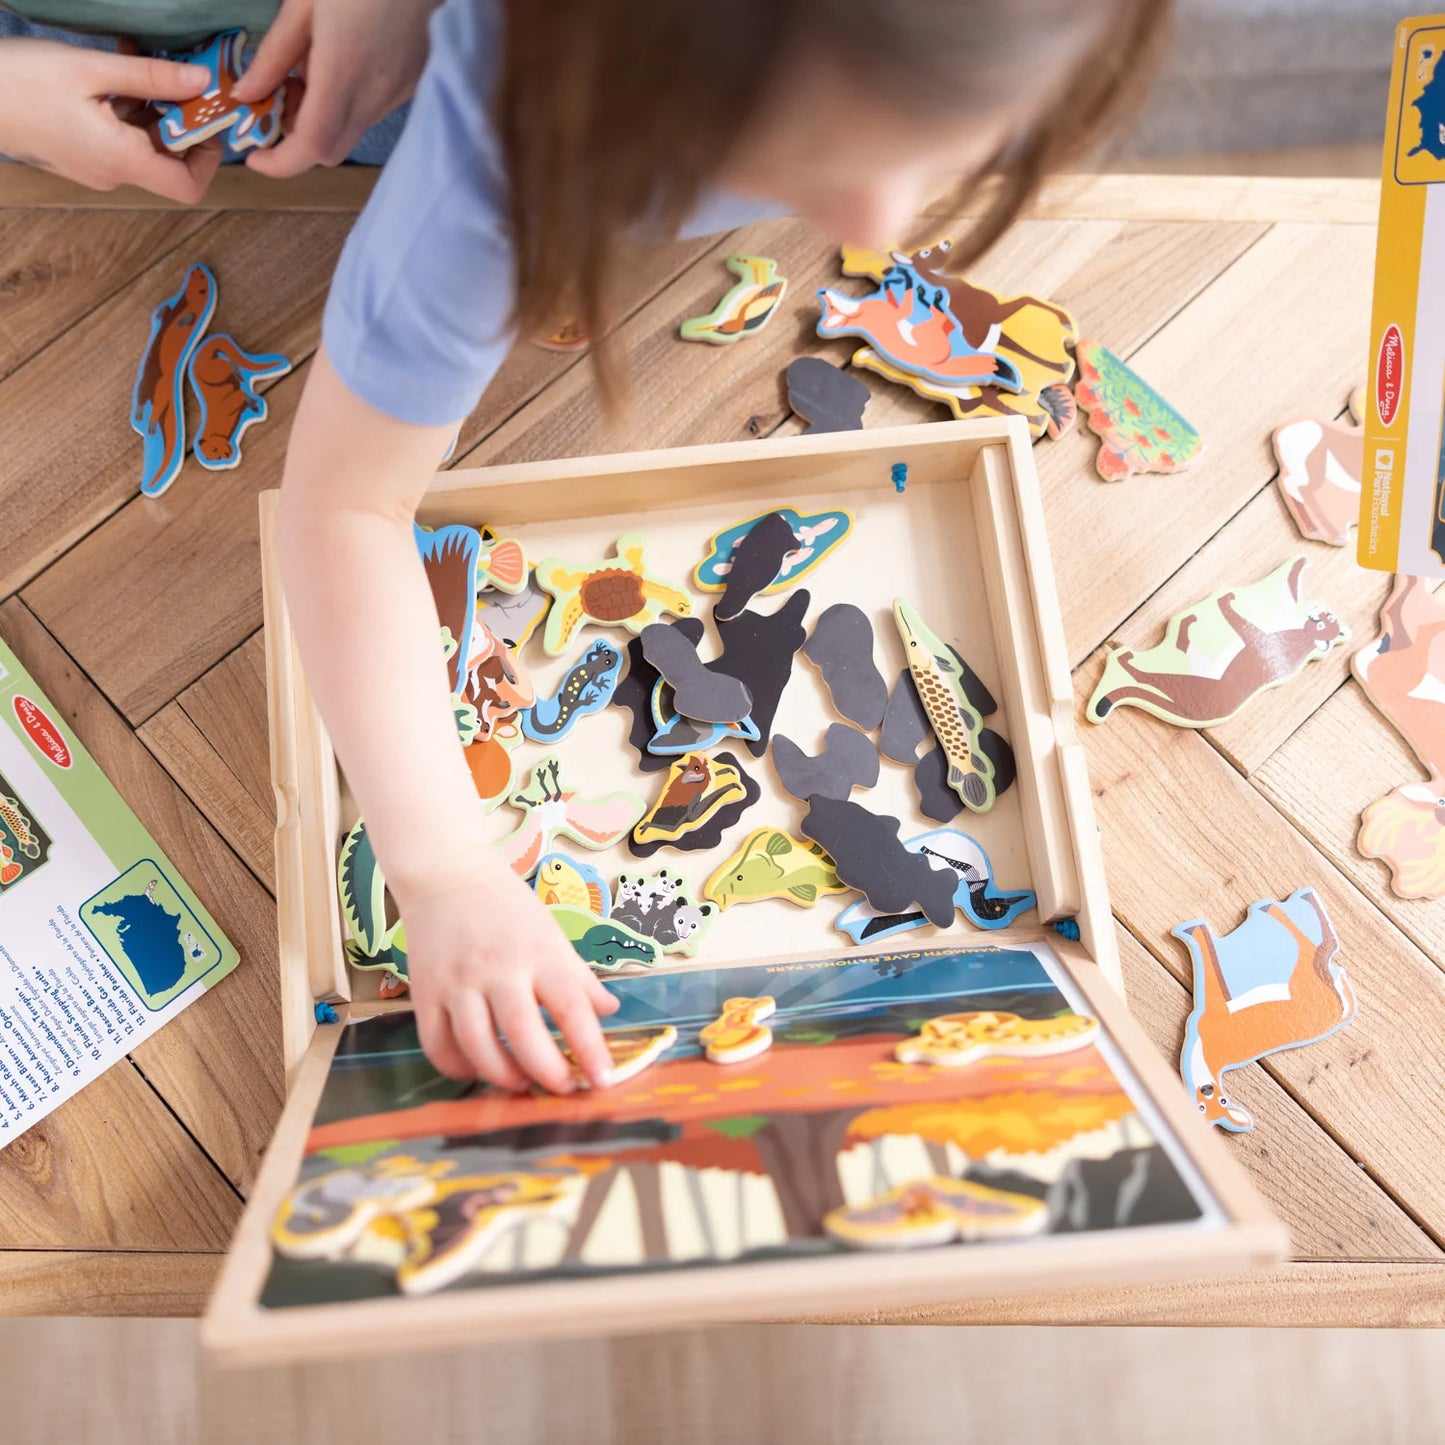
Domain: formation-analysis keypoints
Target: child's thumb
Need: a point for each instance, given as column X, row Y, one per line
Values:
column 144, row 77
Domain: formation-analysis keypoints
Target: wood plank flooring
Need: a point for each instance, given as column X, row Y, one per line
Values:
column 1246, row 305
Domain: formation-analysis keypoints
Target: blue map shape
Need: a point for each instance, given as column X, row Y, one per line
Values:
column 1431, row 106
column 151, row 937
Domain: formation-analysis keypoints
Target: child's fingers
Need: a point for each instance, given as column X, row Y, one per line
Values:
column 177, row 178
column 472, row 1028
column 439, row 1043
column 568, row 1000
column 144, row 77
column 288, row 39
column 519, row 1018
column 602, row 999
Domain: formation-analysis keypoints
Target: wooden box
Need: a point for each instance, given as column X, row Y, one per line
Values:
column 947, row 516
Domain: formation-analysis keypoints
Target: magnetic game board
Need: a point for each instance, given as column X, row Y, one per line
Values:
column 691, row 1163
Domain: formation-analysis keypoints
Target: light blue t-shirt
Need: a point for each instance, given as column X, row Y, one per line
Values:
column 416, row 323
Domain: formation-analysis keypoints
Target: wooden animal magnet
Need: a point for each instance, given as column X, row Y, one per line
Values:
column 1320, row 466
column 933, row 1211
column 758, row 651
column 617, row 592
column 701, row 692
column 632, row 1052
column 746, row 308
column 605, row 943
column 756, row 562
column 955, row 721
column 1138, row 430
column 817, row 536
column 325, row 1216
column 841, row 648
column 448, row 1237
column 569, row 335
column 701, row 798
column 637, row 691
column 739, row 1033
column 674, row 734
column 551, row 810
column 1220, row 653
column 910, row 324
column 492, row 764
column 827, row 397
column 513, row 617
column 158, row 403
column 185, row 123
column 224, row 378
column 502, row 563
column 586, row 689
column 658, row 906
column 1028, row 339
column 495, row 683
column 1403, row 673
column 953, row 1041
column 1061, row 409
column 563, row 882
column 975, row 895
column 372, row 941
column 869, row 856
column 848, row 760
column 449, row 557
column 1271, row 984
column 773, row 864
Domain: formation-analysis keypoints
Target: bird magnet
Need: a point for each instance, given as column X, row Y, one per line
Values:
column 1138, row 430
column 1221, row 652
column 158, row 402
column 550, row 810
column 746, row 308
column 702, row 796
column 224, row 379
column 975, row 895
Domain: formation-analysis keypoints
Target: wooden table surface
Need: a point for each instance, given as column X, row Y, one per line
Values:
column 1246, row 302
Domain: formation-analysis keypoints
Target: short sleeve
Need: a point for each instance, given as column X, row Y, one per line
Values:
column 416, row 322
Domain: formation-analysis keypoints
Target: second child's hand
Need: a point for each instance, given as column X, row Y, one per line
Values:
column 358, row 60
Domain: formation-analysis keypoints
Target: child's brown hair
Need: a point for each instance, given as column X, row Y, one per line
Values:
column 613, row 113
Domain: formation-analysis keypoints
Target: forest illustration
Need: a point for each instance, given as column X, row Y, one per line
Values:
column 823, row 1143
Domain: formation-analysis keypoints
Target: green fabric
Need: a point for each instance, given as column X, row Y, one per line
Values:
column 154, row 22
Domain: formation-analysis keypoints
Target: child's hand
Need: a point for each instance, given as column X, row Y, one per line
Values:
column 360, row 59
column 482, row 958
column 56, row 112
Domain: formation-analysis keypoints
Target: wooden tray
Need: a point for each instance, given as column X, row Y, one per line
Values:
column 964, row 541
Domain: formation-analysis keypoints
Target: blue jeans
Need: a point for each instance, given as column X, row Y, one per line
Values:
column 371, row 150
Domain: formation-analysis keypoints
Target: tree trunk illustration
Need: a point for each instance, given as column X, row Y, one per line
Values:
column 800, row 1153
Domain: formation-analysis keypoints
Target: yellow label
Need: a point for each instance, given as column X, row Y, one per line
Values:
column 1402, row 502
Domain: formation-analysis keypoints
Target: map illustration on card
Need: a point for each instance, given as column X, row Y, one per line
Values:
column 101, row 940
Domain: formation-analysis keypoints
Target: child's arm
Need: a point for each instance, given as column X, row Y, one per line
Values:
column 56, row 113
column 481, row 949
